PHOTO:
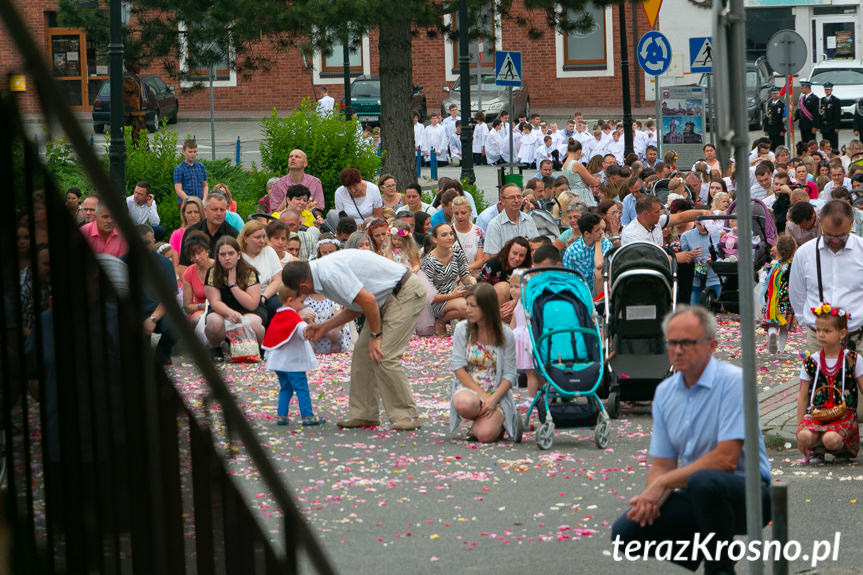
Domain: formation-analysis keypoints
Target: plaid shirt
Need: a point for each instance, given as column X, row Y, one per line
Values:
column 579, row 257
column 192, row 178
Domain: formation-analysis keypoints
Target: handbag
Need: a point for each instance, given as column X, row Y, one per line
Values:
column 244, row 344
column 830, row 411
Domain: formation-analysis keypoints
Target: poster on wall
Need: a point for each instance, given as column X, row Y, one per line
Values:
column 682, row 123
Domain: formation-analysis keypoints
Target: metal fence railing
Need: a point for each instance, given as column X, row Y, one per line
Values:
column 106, row 466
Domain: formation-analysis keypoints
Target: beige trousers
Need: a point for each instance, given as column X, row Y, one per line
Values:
column 387, row 379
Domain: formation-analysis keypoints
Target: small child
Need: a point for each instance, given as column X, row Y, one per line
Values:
column 293, row 246
column 523, row 348
column 290, row 355
column 277, row 236
column 402, row 248
column 704, row 277
column 777, row 312
column 829, row 378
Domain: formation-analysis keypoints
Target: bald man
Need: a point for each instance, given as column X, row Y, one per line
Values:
column 297, row 163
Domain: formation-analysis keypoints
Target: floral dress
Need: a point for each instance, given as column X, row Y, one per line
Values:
column 777, row 310
column 325, row 309
column 846, row 426
column 482, row 366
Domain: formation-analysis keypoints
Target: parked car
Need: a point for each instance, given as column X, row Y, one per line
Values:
column 366, row 100
column 759, row 81
column 494, row 98
column 160, row 101
column 847, row 79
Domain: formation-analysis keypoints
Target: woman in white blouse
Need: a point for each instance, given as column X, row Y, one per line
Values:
column 256, row 252
column 358, row 198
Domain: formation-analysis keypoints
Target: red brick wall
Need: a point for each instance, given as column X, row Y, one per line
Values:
column 33, row 14
column 287, row 82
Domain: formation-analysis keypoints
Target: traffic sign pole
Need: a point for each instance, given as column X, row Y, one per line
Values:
column 511, row 125
column 654, row 57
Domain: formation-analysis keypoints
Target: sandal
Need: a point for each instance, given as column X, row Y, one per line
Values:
column 282, row 420
column 313, row 420
column 816, row 455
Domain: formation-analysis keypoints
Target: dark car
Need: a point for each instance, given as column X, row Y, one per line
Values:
column 366, row 100
column 159, row 102
column 759, row 81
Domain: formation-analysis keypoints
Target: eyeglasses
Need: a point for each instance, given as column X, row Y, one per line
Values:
column 840, row 237
column 684, row 344
column 513, row 198
column 612, row 213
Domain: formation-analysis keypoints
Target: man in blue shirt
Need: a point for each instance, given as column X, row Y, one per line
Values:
column 695, row 487
column 636, row 187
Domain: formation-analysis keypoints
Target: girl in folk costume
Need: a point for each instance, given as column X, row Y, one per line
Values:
column 290, row 355
column 777, row 312
column 402, row 248
column 829, row 380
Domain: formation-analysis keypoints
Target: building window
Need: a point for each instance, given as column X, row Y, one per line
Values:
column 586, row 49
column 333, row 61
column 487, row 22
column 223, row 63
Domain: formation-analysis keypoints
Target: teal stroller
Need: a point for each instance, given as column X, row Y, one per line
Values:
column 567, row 353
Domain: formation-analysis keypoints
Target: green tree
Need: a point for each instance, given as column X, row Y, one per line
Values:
column 205, row 31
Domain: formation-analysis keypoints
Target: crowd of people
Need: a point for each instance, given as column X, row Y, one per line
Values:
column 391, row 261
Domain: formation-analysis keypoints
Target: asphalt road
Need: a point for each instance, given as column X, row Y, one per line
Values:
column 425, row 502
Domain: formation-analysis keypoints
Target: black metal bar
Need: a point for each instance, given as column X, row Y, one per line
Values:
column 172, row 502
column 204, row 548
column 117, row 153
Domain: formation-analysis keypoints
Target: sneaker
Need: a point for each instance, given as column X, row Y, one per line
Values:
column 526, row 403
column 311, row 420
column 816, row 455
column 772, row 344
column 282, row 420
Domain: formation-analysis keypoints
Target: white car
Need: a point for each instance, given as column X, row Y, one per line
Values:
column 847, row 78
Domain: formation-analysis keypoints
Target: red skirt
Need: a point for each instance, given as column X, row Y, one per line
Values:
column 846, row 426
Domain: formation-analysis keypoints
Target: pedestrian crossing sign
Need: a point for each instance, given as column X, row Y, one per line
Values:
column 507, row 69
column 700, row 55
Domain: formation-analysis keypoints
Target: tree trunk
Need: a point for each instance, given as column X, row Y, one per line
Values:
column 396, row 74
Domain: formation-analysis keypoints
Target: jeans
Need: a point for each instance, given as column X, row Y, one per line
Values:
column 695, row 298
column 713, row 501
column 294, row 381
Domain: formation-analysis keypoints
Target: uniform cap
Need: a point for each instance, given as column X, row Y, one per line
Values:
column 775, row 90
column 805, row 83
column 828, row 85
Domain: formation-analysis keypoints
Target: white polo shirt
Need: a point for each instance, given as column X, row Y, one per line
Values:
column 635, row 232
column 341, row 275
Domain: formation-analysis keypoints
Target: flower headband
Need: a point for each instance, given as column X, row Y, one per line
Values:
column 827, row 309
column 333, row 241
column 394, row 231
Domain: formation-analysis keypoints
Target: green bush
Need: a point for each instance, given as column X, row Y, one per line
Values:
column 247, row 187
column 478, row 196
column 153, row 160
column 331, row 143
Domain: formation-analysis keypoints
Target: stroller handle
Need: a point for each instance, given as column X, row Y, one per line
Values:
column 532, row 271
column 702, row 218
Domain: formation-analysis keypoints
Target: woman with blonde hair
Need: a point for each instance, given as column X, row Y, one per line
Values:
column 265, row 261
column 191, row 212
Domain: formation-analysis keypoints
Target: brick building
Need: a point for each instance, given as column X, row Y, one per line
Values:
column 561, row 70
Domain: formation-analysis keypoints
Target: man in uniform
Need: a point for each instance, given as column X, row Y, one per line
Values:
column 133, row 99
column 806, row 113
column 773, row 124
column 830, row 111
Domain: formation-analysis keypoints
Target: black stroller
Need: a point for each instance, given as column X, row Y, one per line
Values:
column 729, row 294
column 640, row 284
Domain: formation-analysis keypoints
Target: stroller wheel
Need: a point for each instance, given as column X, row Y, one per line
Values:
column 613, row 405
column 602, row 433
column 545, row 435
column 709, row 300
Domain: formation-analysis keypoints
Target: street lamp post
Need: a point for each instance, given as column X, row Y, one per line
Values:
column 464, row 80
column 624, row 69
column 117, row 152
